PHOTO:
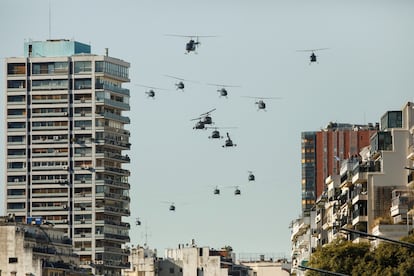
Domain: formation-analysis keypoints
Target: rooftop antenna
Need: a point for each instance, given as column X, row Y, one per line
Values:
column 146, row 235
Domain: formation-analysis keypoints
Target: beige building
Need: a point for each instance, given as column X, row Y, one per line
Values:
column 36, row 250
column 186, row 260
column 268, row 267
column 65, row 143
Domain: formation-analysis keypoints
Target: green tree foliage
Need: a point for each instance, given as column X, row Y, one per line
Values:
column 345, row 257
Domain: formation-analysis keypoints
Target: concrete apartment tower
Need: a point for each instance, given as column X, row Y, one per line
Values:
column 65, row 147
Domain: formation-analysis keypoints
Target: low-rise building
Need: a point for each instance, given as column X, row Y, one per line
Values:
column 186, row 260
column 36, row 249
column 263, row 266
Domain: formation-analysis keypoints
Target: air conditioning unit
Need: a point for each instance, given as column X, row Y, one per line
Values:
column 99, row 262
column 16, row 180
column 55, row 138
column 83, row 180
column 65, row 114
column 64, row 206
column 64, row 221
column 65, row 167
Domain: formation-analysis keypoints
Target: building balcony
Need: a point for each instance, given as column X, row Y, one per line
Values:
column 398, row 210
column 113, row 196
column 359, row 177
column 116, row 238
column 114, row 210
column 359, row 219
column 122, row 119
column 346, row 180
column 410, row 155
column 48, row 102
column 114, row 104
column 114, row 183
column 410, row 180
column 359, row 197
column 114, row 156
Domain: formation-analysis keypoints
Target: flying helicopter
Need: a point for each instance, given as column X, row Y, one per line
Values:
column 229, row 142
column 151, row 90
column 137, row 222
column 215, row 134
column 313, row 57
column 216, row 191
column 204, row 119
column 222, row 90
column 179, row 85
column 260, row 103
column 251, row 176
column 237, row 191
column 193, row 43
column 172, row 205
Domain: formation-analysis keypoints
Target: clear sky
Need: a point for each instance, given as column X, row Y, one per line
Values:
column 367, row 70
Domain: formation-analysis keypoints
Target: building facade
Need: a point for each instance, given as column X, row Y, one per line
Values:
column 372, row 192
column 322, row 152
column 36, row 250
column 65, row 147
column 186, row 260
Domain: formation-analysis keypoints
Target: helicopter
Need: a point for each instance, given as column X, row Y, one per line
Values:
column 229, row 142
column 215, row 134
column 191, row 45
column 251, row 176
column 216, row 191
column 137, row 222
column 260, row 103
column 172, row 205
column 204, row 119
column 237, row 191
column 222, row 90
column 313, row 57
column 199, row 124
column 151, row 91
column 179, row 85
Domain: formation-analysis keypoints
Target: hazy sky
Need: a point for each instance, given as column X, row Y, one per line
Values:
column 367, row 70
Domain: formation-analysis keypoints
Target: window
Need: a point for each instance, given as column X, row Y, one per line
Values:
column 13, row 260
column 16, row 69
column 83, row 66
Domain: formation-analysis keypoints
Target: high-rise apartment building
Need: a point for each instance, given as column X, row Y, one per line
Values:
column 322, row 152
column 65, row 147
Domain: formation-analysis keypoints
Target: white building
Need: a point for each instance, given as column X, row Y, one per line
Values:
column 65, row 140
column 143, row 262
column 268, row 267
column 36, row 250
column 186, row 260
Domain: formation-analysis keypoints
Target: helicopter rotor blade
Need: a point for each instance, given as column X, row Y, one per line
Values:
column 312, row 50
column 266, row 98
column 223, row 85
column 151, row 87
column 208, row 112
column 181, row 79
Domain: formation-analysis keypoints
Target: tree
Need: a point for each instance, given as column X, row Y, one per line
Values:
column 359, row 259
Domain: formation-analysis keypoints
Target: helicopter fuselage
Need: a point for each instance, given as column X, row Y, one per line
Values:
column 199, row 125
column 191, row 45
column 180, row 85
